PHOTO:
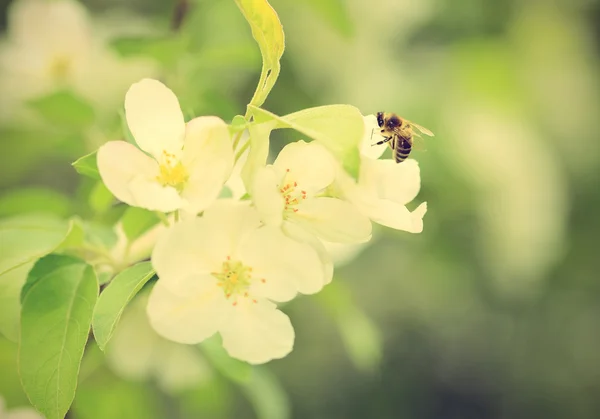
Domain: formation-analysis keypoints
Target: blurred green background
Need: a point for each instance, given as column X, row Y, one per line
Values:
column 492, row 312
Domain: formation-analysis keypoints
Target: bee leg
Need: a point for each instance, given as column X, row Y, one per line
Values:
column 385, row 140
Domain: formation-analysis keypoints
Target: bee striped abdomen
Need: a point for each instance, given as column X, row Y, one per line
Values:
column 402, row 149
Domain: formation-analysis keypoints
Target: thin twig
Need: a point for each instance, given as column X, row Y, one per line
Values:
column 181, row 10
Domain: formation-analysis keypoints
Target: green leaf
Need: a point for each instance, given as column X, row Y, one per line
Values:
column 64, row 108
column 38, row 200
column 100, row 199
column 100, row 235
column 10, row 305
column 87, row 166
column 75, row 235
column 55, row 320
column 340, row 128
column 231, row 368
column 26, row 238
column 266, row 394
column 125, row 128
column 268, row 33
column 52, row 262
column 23, row 240
column 115, row 298
column 10, row 382
column 136, row 221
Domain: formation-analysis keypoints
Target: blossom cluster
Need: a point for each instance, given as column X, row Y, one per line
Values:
column 226, row 264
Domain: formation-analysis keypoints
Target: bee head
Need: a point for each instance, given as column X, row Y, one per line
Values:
column 380, row 119
column 393, row 122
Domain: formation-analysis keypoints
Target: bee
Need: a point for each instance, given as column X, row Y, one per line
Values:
column 398, row 133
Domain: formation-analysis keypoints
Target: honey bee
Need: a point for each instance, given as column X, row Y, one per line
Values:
column 398, row 133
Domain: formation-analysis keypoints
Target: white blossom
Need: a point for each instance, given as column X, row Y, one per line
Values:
column 384, row 187
column 293, row 190
column 52, row 45
column 222, row 272
column 185, row 166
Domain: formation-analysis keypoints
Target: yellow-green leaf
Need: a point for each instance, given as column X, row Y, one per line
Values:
column 23, row 240
column 137, row 221
column 64, row 108
column 115, row 298
column 268, row 33
column 34, row 200
column 340, row 128
column 10, row 305
column 87, row 166
column 26, row 238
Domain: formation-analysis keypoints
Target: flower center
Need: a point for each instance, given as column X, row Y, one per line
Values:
column 292, row 195
column 59, row 68
column 235, row 279
column 172, row 172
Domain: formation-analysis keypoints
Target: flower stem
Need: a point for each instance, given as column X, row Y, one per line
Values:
column 236, row 140
column 241, row 150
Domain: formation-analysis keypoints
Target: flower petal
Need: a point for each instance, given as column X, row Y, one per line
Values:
column 208, row 157
column 397, row 216
column 257, row 333
column 190, row 247
column 188, row 318
column 398, row 182
column 370, row 137
column 286, row 265
column 149, row 194
column 154, row 117
column 233, row 220
column 299, row 234
column 129, row 175
column 309, row 164
column 333, row 220
column 266, row 196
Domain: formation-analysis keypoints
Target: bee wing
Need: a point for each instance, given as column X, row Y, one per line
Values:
column 418, row 143
column 423, row 130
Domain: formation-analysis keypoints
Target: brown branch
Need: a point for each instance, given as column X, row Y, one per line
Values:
column 181, row 10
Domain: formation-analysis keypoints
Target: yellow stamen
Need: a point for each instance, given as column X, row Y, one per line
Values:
column 59, row 68
column 172, row 172
column 235, row 279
